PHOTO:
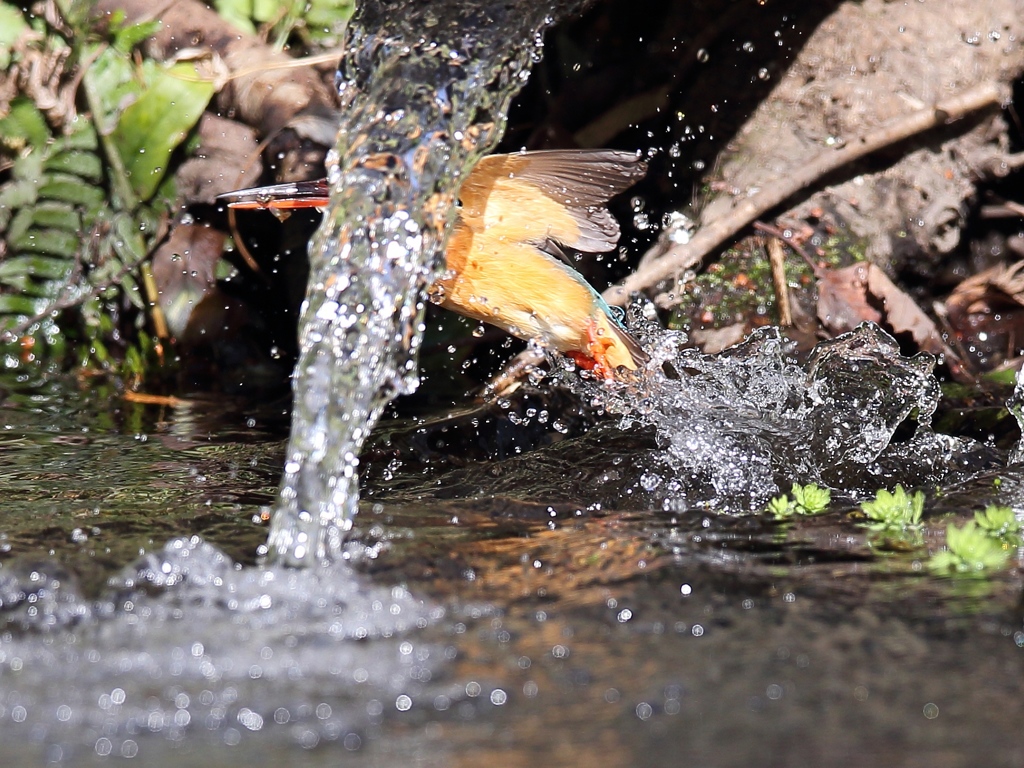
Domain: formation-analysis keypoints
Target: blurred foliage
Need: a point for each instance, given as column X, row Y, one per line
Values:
column 970, row 551
column 87, row 194
column 313, row 21
column 87, row 161
column 1001, row 523
column 12, row 26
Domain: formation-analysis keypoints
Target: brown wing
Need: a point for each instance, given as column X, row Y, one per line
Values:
column 554, row 195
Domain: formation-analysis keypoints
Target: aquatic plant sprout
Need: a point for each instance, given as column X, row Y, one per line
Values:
column 1000, row 522
column 894, row 510
column 970, row 550
column 807, row 499
column 980, row 545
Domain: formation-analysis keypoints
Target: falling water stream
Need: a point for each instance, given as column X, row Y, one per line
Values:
column 424, row 91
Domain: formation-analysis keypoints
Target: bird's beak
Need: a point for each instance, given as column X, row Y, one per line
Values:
column 280, row 197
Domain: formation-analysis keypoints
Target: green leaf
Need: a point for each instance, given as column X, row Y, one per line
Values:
column 83, row 138
column 70, row 189
column 56, row 216
column 111, row 79
column 781, row 507
column 807, row 499
column 237, row 12
column 39, row 267
column 970, row 550
column 18, row 283
column 52, row 241
column 19, row 193
column 20, row 224
column 12, row 24
column 897, row 509
column 85, row 165
column 131, row 290
column 1001, row 523
column 328, row 17
column 811, row 499
column 225, row 270
column 21, row 305
column 24, row 124
column 14, row 197
column 271, row 10
column 128, row 241
column 129, row 36
column 150, row 129
column 997, row 519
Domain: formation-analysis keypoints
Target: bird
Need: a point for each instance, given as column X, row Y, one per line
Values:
column 504, row 260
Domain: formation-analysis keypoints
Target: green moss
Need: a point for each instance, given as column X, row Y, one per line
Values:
column 842, row 248
column 734, row 289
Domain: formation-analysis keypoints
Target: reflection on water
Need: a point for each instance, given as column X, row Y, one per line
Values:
column 539, row 607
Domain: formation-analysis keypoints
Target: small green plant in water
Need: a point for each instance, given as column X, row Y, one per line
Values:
column 1000, row 523
column 807, row 499
column 893, row 511
column 970, row 550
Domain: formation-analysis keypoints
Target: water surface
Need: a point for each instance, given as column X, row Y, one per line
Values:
column 507, row 610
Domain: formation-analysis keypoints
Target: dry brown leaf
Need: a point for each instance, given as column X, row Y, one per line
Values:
column 843, row 300
column 227, row 158
column 184, row 268
column 986, row 314
column 714, row 340
column 997, row 287
column 863, row 292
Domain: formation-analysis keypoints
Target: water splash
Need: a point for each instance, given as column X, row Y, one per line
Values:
column 424, row 92
column 1016, row 406
column 184, row 641
column 736, row 428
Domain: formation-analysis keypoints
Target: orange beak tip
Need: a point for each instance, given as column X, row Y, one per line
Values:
column 303, row 194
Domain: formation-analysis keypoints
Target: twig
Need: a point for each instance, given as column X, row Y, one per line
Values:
column 306, row 61
column 1008, row 209
column 511, row 376
column 670, row 259
column 777, row 258
column 789, row 240
column 153, row 297
column 146, row 399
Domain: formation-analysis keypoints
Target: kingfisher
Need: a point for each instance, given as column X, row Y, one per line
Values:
column 504, row 260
